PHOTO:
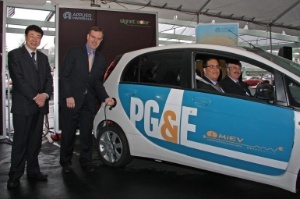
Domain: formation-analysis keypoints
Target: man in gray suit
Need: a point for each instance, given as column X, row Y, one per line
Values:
column 32, row 86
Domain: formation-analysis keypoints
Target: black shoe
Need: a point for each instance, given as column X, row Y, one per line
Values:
column 12, row 183
column 67, row 169
column 37, row 176
column 88, row 168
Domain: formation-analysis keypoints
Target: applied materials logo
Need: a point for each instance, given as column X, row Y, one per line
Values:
column 77, row 16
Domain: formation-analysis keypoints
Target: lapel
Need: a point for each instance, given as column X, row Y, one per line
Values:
column 40, row 66
column 96, row 60
column 240, row 86
column 33, row 75
column 28, row 59
column 217, row 86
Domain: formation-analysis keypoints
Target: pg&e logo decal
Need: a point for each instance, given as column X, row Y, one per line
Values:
column 173, row 123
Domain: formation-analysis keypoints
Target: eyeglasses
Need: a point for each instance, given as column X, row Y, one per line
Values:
column 213, row 67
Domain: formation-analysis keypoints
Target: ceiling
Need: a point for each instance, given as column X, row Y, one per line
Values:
column 278, row 15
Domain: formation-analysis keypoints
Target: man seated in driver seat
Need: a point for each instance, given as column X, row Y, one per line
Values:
column 231, row 83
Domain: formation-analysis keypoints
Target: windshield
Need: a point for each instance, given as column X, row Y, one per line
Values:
column 284, row 63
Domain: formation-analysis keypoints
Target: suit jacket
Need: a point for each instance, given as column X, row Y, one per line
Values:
column 76, row 80
column 205, row 85
column 28, row 81
column 229, row 86
column 210, row 86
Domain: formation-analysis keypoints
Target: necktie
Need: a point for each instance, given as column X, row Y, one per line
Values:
column 238, row 83
column 217, row 85
column 91, row 57
column 33, row 58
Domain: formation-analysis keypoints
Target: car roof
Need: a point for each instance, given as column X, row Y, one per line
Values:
column 190, row 46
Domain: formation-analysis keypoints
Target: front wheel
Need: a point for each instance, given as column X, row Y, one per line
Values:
column 113, row 147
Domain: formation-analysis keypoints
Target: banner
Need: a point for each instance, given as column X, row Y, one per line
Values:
column 123, row 31
column 224, row 34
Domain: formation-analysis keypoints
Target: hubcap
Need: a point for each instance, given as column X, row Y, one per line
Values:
column 110, row 146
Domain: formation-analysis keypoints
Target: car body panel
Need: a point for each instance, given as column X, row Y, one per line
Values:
column 181, row 121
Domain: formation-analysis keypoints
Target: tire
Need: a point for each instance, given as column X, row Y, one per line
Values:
column 113, row 147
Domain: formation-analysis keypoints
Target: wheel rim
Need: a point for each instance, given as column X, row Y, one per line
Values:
column 110, row 146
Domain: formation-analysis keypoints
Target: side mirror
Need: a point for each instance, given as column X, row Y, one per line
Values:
column 264, row 91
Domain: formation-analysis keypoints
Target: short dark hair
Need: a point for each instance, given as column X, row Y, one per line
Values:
column 34, row 28
column 97, row 29
column 206, row 60
column 236, row 62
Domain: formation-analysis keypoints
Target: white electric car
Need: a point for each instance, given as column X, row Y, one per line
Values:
column 161, row 114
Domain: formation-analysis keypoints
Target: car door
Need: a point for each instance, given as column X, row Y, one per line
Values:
column 242, row 132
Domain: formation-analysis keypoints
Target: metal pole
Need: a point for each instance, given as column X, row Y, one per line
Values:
column 270, row 29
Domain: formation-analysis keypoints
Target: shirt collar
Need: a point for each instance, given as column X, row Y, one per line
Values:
column 235, row 81
column 214, row 82
column 29, row 50
column 89, row 50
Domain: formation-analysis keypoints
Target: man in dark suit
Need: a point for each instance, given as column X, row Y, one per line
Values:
column 211, row 71
column 32, row 86
column 80, row 85
column 231, row 83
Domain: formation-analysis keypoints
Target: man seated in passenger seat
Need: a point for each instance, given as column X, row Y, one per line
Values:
column 231, row 83
column 211, row 70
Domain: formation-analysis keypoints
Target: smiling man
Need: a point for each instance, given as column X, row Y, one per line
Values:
column 211, row 70
column 32, row 85
column 231, row 83
column 80, row 87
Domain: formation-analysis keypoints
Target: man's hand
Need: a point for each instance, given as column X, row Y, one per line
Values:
column 109, row 101
column 70, row 102
column 40, row 99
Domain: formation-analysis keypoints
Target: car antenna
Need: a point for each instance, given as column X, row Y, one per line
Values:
column 250, row 44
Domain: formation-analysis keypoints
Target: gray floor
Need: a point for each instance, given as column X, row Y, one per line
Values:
column 141, row 178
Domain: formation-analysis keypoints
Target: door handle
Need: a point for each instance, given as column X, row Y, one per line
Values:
column 130, row 92
column 201, row 101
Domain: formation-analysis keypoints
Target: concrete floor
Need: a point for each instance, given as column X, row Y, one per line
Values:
column 141, row 178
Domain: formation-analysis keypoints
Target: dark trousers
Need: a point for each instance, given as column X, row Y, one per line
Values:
column 70, row 118
column 26, row 145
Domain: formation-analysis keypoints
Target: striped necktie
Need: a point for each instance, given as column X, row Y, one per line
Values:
column 33, row 59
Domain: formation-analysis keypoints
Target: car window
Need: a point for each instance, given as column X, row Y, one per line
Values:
column 161, row 68
column 253, row 73
column 293, row 89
